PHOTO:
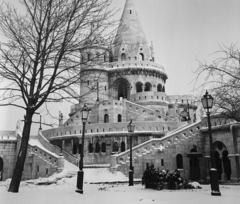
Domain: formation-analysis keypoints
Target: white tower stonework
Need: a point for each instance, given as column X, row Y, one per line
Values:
column 120, row 84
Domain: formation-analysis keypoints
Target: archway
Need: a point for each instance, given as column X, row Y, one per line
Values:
column 90, row 148
column 97, row 148
column 141, row 57
column 194, row 164
column 106, row 118
column 139, row 86
column 1, row 169
column 159, row 88
column 103, row 147
column 119, row 118
column 226, row 164
column 74, row 149
column 123, row 148
column 148, row 87
column 179, row 159
column 221, row 149
column 123, row 88
column 123, row 56
column 115, row 147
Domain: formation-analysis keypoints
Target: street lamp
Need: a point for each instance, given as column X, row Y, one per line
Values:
column 85, row 112
column 131, row 128
column 207, row 102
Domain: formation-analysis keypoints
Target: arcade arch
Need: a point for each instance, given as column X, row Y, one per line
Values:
column 122, row 87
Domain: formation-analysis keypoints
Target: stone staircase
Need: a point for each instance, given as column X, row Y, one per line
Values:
column 146, row 114
column 120, row 162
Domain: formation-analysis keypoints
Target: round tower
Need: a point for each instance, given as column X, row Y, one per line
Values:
column 134, row 75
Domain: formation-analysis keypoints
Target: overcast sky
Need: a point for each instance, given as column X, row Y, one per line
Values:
column 181, row 31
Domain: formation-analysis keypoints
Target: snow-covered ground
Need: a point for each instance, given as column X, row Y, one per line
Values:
column 63, row 186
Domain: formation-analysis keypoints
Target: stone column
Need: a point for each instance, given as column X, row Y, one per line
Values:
column 235, row 129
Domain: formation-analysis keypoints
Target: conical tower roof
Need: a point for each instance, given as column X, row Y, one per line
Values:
column 130, row 38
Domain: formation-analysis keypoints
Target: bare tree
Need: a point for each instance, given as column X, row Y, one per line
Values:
column 222, row 79
column 40, row 60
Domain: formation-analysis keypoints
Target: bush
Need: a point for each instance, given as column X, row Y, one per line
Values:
column 163, row 179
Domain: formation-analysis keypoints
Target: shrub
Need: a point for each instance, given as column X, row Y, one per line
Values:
column 161, row 179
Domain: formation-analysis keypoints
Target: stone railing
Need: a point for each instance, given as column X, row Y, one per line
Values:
column 156, row 144
column 108, row 128
column 7, row 135
column 137, row 64
column 149, row 96
column 46, row 155
column 55, row 149
column 143, row 111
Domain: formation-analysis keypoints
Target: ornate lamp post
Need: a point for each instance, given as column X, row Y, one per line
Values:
column 131, row 128
column 85, row 112
column 207, row 102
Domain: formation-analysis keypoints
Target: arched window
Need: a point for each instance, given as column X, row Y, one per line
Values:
column 89, row 56
column 159, row 88
column 115, row 147
column 139, row 86
column 163, row 89
column 123, row 56
column 90, row 148
column 123, row 146
column 179, row 159
column 97, row 148
column 106, row 118
column 103, row 147
column 119, row 118
column 148, row 87
column 141, row 57
column 130, row 11
column 104, row 58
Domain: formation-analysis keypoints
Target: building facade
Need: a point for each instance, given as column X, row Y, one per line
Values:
column 120, row 84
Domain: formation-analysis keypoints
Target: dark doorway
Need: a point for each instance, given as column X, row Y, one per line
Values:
column 106, row 118
column 103, row 147
column 122, row 90
column 218, row 164
column 148, row 87
column 115, row 147
column 123, row 146
column 226, row 164
column 90, row 148
column 74, row 150
column 139, row 87
column 179, row 160
column 1, row 169
column 97, row 148
column 119, row 118
column 194, row 169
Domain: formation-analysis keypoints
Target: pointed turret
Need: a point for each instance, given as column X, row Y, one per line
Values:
column 130, row 42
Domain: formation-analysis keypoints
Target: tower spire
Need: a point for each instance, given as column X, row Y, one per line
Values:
column 130, row 40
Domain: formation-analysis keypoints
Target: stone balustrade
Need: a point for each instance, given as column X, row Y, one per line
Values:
column 108, row 128
column 47, row 156
column 156, row 144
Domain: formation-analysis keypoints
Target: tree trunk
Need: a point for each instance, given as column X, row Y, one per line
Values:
column 17, row 175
